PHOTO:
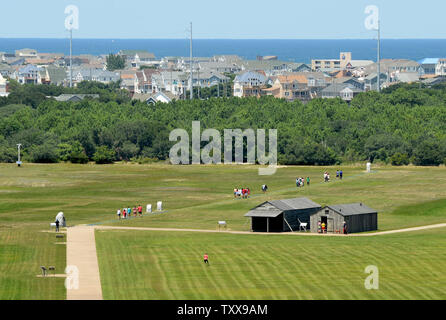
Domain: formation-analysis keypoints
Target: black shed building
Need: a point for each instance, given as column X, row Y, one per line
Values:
column 357, row 216
column 282, row 215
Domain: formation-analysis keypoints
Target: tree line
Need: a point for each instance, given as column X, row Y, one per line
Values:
column 403, row 124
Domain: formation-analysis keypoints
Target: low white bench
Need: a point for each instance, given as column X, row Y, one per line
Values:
column 222, row 224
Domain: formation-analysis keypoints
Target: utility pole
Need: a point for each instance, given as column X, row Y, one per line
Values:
column 19, row 163
column 198, row 79
column 379, row 55
column 191, row 66
column 71, row 58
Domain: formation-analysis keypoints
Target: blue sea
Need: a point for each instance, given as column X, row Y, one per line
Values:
column 287, row 50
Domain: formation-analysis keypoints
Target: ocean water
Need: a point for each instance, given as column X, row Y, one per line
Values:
column 287, row 50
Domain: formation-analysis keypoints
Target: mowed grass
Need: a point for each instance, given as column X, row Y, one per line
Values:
column 193, row 197
column 22, row 252
column 199, row 196
column 160, row 265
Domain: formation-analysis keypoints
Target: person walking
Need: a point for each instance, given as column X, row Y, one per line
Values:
column 206, row 259
column 323, row 227
column 140, row 210
column 341, row 174
column 124, row 213
column 134, row 211
column 119, row 214
column 345, row 228
column 57, row 225
column 308, row 181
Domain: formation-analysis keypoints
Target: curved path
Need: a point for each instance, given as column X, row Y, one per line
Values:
column 434, row 226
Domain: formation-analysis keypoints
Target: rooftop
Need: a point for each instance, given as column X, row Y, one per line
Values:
column 352, row 209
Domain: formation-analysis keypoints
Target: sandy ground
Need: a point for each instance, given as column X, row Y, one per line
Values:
column 81, row 253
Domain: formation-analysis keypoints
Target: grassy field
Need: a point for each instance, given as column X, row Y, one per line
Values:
column 160, row 265
column 194, row 197
column 22, row 252
column 197, row 197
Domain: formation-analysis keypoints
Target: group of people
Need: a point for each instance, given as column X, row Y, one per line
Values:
column 242, row 193
column 300, row 182
column 126, row 213
column 339, row 174
column 326, row 177
column 322, row 227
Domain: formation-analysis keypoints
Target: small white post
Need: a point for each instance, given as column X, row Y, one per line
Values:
column 159, row 206
column 369, row 167
column 149, row 208
column 19, row 163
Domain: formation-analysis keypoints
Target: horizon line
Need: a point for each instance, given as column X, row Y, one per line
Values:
column 241, row 39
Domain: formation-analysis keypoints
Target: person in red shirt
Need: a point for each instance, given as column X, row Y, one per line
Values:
column 140, row 210
column 206, row 259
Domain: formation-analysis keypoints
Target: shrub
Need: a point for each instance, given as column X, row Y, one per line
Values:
column 44, row 153
column 399, row 159
column 78, row 157
column 7, row 154
column 104, row 155
column 428, row 153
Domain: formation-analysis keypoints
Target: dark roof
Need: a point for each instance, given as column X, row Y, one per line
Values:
column 265, row 210
column 75, row 97
column 352, row 209
column 272, row 209
column 295, row 204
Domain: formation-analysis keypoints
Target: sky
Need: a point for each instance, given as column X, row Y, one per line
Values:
column 227, row 19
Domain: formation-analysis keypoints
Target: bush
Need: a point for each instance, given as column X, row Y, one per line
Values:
column 78, row 157
column 428, row 153
column 399, row 159
column 44, row 153
column 7, row 154
column 104, row 155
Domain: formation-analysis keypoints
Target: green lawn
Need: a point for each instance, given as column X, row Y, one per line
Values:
column 160, row 265
column 194, row 197
column 22, row 252
column 197, row 197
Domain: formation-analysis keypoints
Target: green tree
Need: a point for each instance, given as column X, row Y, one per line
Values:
column 399, row 159
column 115, row 62
column 428, row 153
column 104, row 155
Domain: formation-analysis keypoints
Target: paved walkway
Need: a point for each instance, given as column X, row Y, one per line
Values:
column 81, row 252
column 435, row 226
